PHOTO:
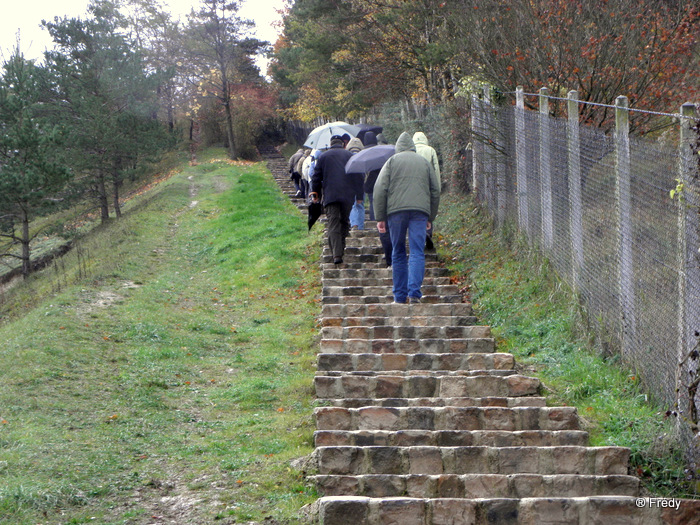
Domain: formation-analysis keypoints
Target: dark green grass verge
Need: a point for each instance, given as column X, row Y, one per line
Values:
column 538, row 319
column 164, row 371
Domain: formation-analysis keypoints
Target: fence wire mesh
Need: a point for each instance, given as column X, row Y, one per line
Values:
column 614, row 237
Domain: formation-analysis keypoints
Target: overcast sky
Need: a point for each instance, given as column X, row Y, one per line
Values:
column 26, row 16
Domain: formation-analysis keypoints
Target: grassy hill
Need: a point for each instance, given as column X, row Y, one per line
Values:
column 162, row 370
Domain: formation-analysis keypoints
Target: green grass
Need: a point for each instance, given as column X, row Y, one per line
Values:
column 165, row 367
column 538, row 319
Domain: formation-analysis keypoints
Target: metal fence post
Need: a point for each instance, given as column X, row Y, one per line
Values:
column 576, row 214
column 521, row 160
column 689, row 257
column 545, row 171
column 624, row 207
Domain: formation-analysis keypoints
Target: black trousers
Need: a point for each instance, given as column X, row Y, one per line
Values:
column 338, row 226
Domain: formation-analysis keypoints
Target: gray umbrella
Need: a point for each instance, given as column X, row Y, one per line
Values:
column 369, row 159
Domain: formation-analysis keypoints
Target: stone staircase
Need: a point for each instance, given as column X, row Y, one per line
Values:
column 423, row 422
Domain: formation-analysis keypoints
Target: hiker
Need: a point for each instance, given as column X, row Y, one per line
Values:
column 307, row 170
column 338, row 192
column 406, row 200
column 357, row 214
column 299, row 169
column 293, row 174
column 425, row 150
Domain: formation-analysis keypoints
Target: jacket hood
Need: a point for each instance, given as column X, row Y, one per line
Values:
column 405, row 143
column 354, row 145
column 420, row 138
column 370, row 139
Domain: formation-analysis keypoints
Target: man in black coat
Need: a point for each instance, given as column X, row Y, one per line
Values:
column 338, row 191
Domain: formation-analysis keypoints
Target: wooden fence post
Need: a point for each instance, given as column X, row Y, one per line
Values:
column 477, row 146
column 689, row 256
column 576, row 213
column 521, row 161
column 623, row 193
column 546, row 172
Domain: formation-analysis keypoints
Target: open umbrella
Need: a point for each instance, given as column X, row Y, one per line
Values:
column 369, row 159
column 364, row 128
column 315, row 211
column 320, row 137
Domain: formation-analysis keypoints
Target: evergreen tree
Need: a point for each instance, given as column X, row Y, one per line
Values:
column 32, row 172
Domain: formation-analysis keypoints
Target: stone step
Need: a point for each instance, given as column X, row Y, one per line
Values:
column 369, row 264
column 379, row 362
column 408, row 346
column 446, row 418
column 397, row 310
column 446, row 290
column 472, row 486
column 450, row 438
column 384, row 298
column 405, row 332
column 589, row 510
column 445, row 321
column 376, row 273
column 507, row 402
column 382, row 385
column 383, row 281
column 599, row 461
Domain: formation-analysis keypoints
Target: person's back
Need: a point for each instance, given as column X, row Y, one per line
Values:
column 406, row 183
column 329, row 180
column 425, row 150
column 406, row 199
column 338, row 191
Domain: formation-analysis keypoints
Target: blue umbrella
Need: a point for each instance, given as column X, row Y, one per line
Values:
column 369, row 159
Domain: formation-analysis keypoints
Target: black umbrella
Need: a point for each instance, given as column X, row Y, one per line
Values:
column 364, row 128
column 315, row 211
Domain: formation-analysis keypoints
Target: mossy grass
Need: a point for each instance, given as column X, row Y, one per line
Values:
column 538, row 318
column 165, row 366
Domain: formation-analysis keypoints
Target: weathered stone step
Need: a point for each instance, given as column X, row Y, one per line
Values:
column 445, row 290
column 507, row 402
column 405, row 332
column 592, row 510
column 375, row 273
column 451, row 438
column 446, row 418
column 397, row 310
column 408, row 346
column 379, row 362
column 383, row 281
column 384, row 298
column 448, row 384
column 600, row 461
column 474, row 486
column 370, row 264
column 414, row 320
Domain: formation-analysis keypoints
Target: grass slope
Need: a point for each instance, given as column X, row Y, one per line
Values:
column 163, row 370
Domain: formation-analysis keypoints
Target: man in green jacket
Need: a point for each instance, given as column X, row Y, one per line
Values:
column 406, row 200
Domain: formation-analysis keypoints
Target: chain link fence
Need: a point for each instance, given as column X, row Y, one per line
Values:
column 600, row 207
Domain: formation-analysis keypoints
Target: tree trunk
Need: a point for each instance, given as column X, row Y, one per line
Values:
column 26, row 266
column 229, row 130
column 116, row 184
column 102, row 198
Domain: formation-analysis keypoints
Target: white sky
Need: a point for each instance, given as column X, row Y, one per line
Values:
column 26, row 16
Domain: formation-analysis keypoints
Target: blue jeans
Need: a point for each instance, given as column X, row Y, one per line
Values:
column 407, row 272
column 357, row 216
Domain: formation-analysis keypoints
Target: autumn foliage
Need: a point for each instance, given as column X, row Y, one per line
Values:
column 340, row 57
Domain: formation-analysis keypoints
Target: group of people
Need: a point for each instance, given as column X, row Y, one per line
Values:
column 404, row 196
